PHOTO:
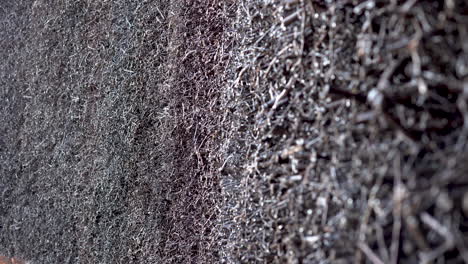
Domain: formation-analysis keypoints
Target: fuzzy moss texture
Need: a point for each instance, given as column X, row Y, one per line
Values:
column 222, row 131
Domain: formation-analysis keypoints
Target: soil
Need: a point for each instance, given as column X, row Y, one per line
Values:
column 283, row 131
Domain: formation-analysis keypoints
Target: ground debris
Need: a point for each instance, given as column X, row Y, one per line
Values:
column 350, row 114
